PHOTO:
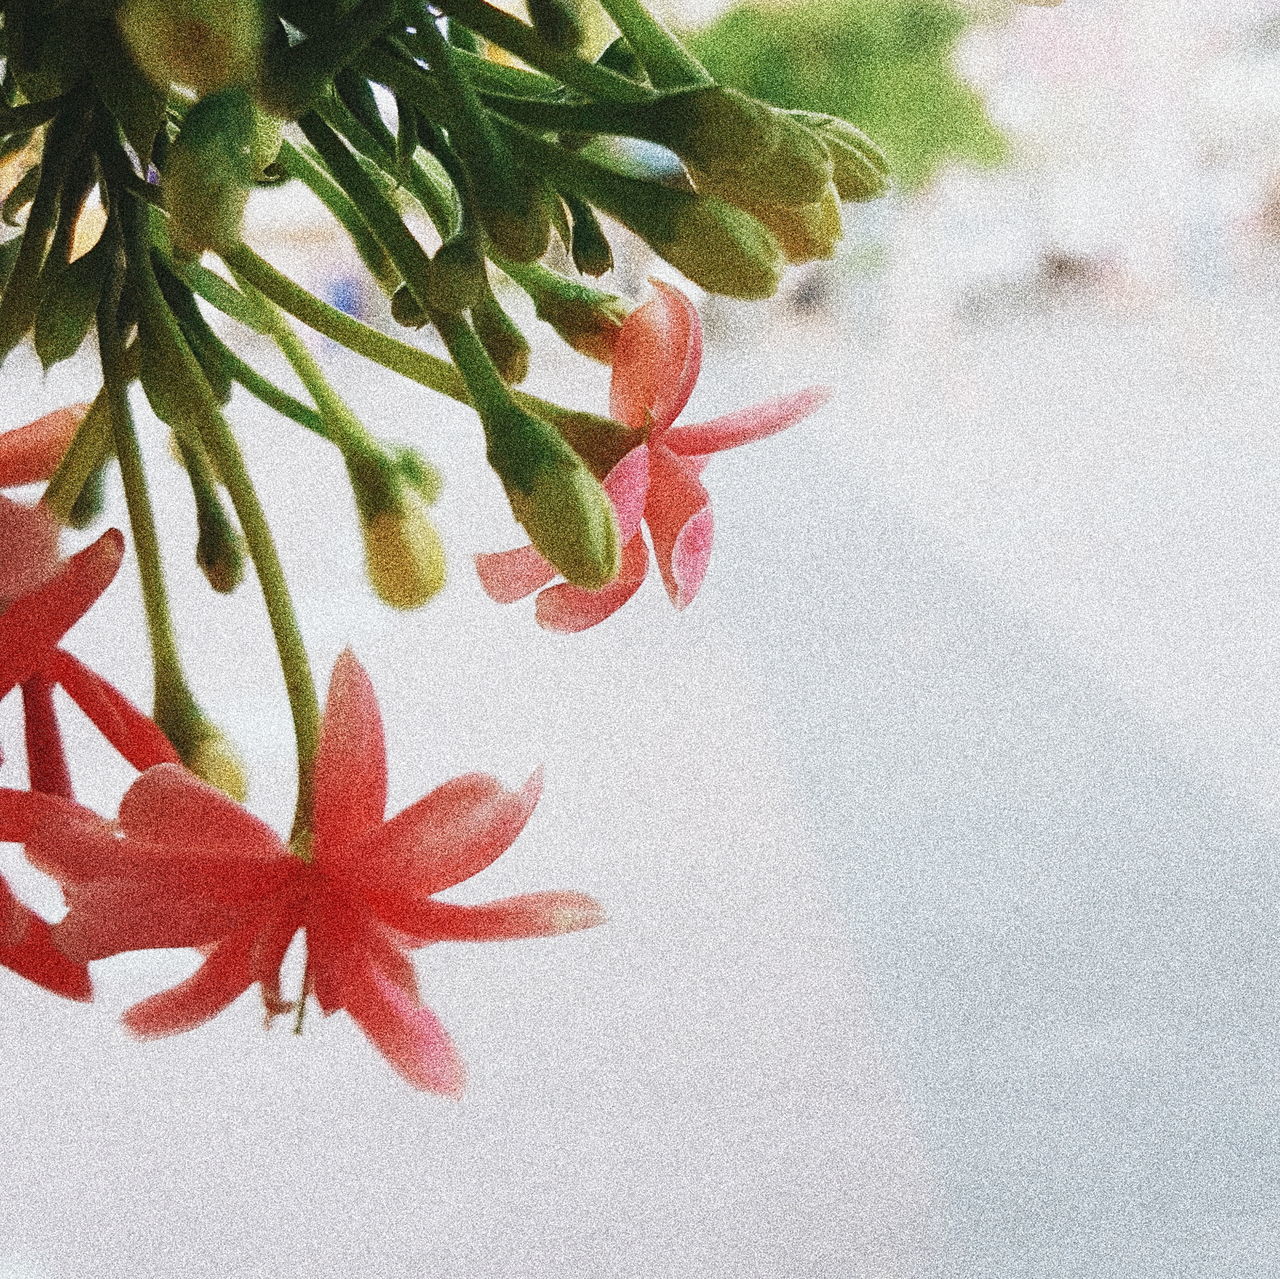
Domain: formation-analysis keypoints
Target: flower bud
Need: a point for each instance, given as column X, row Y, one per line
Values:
column 589, row 321
column 751, row 150
column 208, row 174
column 859, row 168
column 205, row 44
column 404, row 555
column 592, row 254
column 457, row 281
column 723, row 249
column 562, row 506
column 203, row 747
column 406, row 310
column 219, row 548
column 558, row 22
column 806, row 232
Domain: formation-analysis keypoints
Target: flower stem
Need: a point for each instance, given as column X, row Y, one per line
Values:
column 196, row 406
column 172, row 694
column 669, row 64
column 418, row 366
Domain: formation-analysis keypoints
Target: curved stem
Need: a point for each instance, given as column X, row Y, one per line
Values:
column 418, row 366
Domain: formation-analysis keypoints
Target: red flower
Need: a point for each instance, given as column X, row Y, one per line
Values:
column 186, row 866
column 41, row 598
column 32, row 452
column 26, row 944
column 656, row 362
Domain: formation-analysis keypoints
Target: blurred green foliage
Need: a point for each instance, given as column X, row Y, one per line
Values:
column 884, row 65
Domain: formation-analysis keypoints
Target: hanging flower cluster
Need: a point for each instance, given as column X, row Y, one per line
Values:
column 467, row 154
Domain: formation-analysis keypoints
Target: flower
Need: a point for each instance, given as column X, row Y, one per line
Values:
column 26, row 944
column 32, row 452
column 656, row 363
column 41, row 598
column 186, row 866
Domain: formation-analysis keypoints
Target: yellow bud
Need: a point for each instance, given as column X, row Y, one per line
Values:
column 213, row 759
column 404, row 555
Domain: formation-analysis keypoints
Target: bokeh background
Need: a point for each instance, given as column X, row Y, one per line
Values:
column 937, row 836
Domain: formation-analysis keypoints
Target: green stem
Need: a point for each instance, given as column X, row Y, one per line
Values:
column 669, row 64
column 158, row 325
column 172, row 694
column 343, row 428
column 520, row 38
column 418, row 366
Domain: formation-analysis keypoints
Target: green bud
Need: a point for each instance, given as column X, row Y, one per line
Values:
column 519, row 222
column 205, row 44
column 750, row 150
column 591, row 251
column 91, row 499
column 457, row 281
column 209, row 173
column 588, row 320
column 723, row 249
column 558, row 22
column 219, row 549
column 201, row 745
column 806, row 232
column 561, row 505
column 213, row 759
column 421, row 476
column 501, row 338
column 859, row 168
column 406, row 310
column 264, row 145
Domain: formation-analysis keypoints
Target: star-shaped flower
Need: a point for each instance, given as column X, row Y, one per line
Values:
column 184, row 865
column 656, row 362
column 41, row 598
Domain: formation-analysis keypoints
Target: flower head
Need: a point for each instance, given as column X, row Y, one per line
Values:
column 41, row 598
column 186, row 866
column 658, row 483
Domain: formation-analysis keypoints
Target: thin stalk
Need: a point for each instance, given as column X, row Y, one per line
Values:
column 668, row 63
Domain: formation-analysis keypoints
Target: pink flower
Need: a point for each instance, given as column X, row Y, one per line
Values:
column 26, row 943
column 41, row 598
column 656, row 362
column 186, row 866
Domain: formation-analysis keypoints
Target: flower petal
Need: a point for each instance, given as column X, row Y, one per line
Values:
column 127, row 729
column 171, row 808
column 570, row 609
column 28, row 548
column 446, row 837
column 679, row 517
column 351, row 761
column 18, row 811
column 46, row 760
column 745, row 425
column 110, row 916
column 656, row 359
column 408, row 1035
column 627, row 485
column 35, row 622
column 528, row 915
column 36, row 957
column 223, row 977
column 32, row 452
column 508, row 576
